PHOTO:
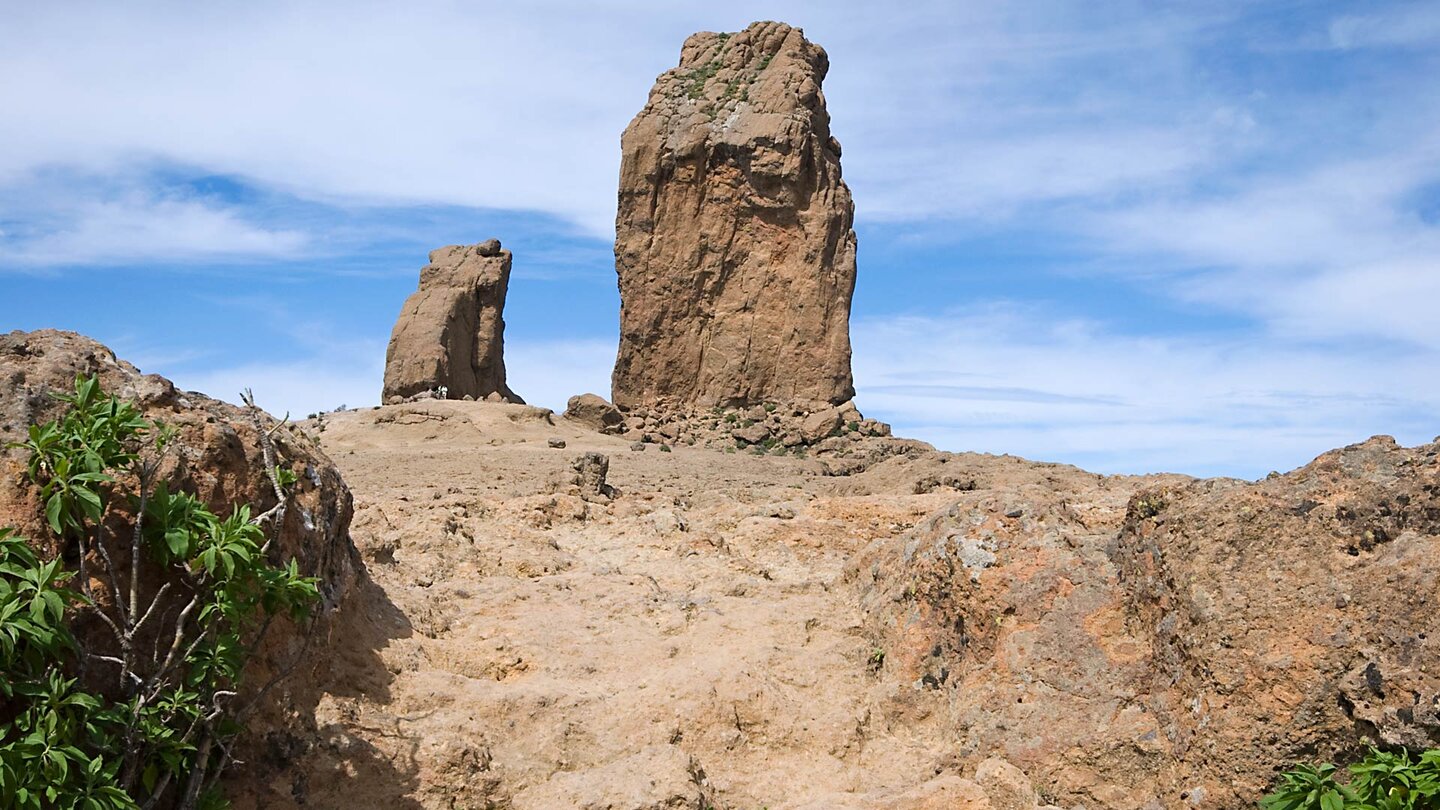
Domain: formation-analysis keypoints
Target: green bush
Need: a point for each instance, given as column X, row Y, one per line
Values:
column 1383, row 780
column 175, row 599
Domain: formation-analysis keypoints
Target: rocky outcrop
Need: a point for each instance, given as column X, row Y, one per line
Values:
column 1177, row 647
column 1290, row 619
column 450, row 336
column 216, row 455
column 733, row 247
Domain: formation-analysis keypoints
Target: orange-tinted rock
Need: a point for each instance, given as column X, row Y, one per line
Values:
column 733, row 246
column 1178, row 647
column 216, row 455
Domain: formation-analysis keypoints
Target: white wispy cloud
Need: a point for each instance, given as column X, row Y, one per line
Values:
column 1003, row 378
column 520, row 106
column 134, row 226
column 1410, row 24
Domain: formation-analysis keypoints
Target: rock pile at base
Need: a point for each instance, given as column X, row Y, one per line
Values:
column 733, row 247
column 449, row 341
column 838, row 435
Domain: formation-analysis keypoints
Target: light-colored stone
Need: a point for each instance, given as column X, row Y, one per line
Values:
column 819, row 425
column 734, row 247
column 753, row 434
column 594, row 412
column 1005, row 785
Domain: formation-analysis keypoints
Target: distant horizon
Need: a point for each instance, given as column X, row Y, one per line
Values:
column 1198, row 241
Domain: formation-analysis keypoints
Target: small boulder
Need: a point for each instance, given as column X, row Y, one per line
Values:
column 558, row 444
column 594, row 412
column 754, row 434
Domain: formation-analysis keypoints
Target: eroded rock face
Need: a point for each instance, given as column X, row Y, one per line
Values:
column 734, row 248
column 1178, row 647
column 1290, row 619
column 451, row 331
column 216, row 456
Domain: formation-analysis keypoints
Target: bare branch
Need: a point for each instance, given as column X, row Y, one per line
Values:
column 154, row 603
column 276, row 513
column 178, row 640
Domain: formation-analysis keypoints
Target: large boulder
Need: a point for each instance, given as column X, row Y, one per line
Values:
column 451, row 331
column 1170, row 642
column 733, row 246
column 1290, row 619
column 217, row 456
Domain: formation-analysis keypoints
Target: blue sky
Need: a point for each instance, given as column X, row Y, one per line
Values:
column 1135, row 236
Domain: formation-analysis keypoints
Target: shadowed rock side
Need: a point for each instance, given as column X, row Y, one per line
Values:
column 733, row 247
column 216, row 455
column 451, row 331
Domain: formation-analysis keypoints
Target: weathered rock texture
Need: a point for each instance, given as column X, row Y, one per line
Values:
column 594, row 412
column 216, row 456
column 451, row 331
column 734, row 248
column 934, row 630
column 1178, row 645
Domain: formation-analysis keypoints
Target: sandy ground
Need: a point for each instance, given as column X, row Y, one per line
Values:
column 692, row 642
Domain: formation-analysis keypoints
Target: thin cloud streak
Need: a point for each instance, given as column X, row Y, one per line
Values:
column 1195, row 404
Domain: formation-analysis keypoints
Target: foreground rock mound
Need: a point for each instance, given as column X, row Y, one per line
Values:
column 217, row 457
column 1179, row 645
column 1291, row 619
column 450, row 337
column 733, row 247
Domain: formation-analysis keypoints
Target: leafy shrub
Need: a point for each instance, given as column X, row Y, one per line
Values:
column 176, row 598
column 1383, row 780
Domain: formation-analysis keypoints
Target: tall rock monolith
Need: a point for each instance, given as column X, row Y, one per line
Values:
column 451, row 331
column 733, row 246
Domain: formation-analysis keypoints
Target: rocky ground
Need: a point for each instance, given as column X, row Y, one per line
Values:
column 696, row 640
column 715, row 629
column 538, row 614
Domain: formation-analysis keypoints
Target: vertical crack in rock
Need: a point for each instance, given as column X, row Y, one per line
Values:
column 734, row 245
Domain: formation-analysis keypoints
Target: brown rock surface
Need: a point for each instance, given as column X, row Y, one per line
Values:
column 593, row 411
column 1176, row 645
column 693, row 636
column 1292, row 618
column 216, row 456
column 451, row 331
column 746, row 628
column 734, row 248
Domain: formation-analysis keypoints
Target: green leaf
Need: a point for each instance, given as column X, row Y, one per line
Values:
column 53, row 508
column 89, row 502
